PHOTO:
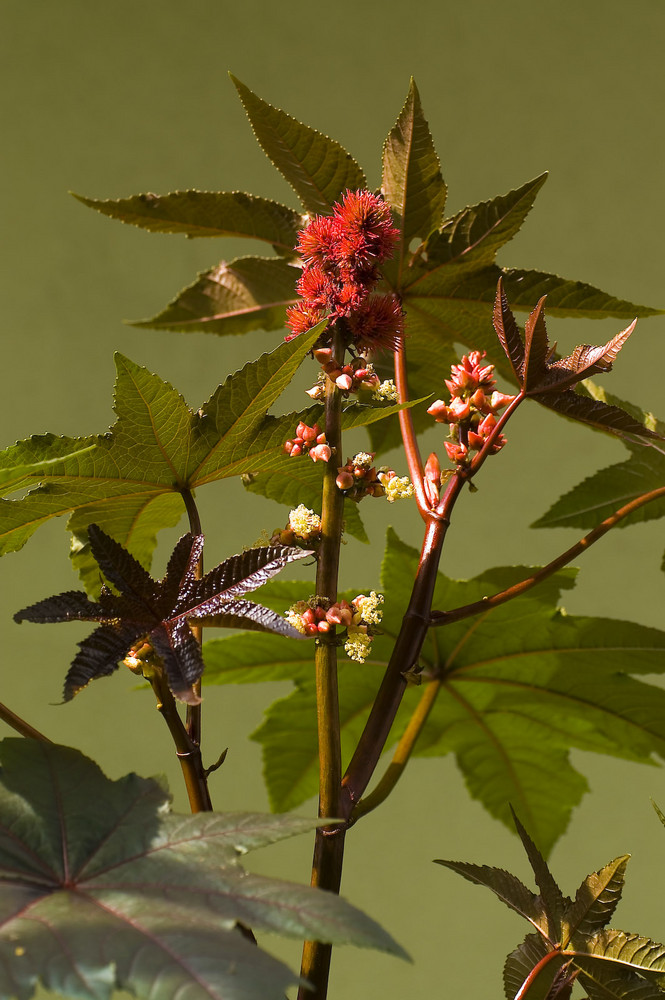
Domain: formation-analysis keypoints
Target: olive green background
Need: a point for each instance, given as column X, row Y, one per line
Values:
column 110, row 99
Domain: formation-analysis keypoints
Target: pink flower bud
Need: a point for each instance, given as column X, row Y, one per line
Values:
column 345, row 480
column 486, row 427
column 316, row 392
column 321, row 439
column 441, row 413
column 475, row 441
column 479, row 400
column 344, row 382
column 433, row 469
column 320, row 453
column 324, row 626
column 456, row 452
column 323, row 355
column 460, row 408
column 498, row 400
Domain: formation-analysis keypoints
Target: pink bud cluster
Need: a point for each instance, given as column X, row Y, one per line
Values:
column 319, row 616
column 472, row 408
column 352, row 378
column 359, row 478
column 308, row 441
column 341, row 254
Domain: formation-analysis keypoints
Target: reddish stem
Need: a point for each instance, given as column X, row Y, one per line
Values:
column 411, row 449
column 446, row 617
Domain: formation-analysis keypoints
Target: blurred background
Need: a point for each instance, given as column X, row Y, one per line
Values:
column 124, row 97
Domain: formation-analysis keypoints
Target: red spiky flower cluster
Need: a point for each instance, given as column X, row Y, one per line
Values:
column 341, row 254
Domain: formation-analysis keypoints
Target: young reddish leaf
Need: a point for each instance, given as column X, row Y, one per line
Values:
column 159, row 612
column 317, row 168
column 572, row 940
column 536, row 346
column 207, row 213
column 553, row 900
column 550, row 382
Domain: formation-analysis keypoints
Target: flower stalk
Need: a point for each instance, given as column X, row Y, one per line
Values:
column 329, row 840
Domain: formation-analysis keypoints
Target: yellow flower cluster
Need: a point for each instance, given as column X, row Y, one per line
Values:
column 304, row 522
column 357, row 645
column 369, row 609
column 387, row 390
column 396, row 487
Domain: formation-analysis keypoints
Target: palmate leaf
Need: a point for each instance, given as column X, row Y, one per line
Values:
column 159, row 612
column 318, row 169
column 102, row 888
column 130, row 482
column 601, row 494
column 207, row 213
column 573, row 942
column 446, row 284
column 519, row 964
column 513, row 698
column 411, row 180
column 249, row 293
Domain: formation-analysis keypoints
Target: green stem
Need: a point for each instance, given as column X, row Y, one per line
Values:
column 402, row 753
column 329, row 842
column 20, row 725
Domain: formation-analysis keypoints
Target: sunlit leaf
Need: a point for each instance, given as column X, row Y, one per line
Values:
column 249, row 293
column 412, row 183
column 131, row 482
column 206, row 213
column 317, row 168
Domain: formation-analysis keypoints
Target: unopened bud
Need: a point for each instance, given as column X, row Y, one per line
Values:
column 344, row 480
column 320, row 453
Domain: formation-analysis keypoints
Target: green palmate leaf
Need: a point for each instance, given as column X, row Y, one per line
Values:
column 475, row 234
column 412, row 183
column 289, row 737
column 595, row 498
column 131, row 482
column 207, row 213
column 104, row 889
column 249, row 293
column 513, row 696
column 317, row 168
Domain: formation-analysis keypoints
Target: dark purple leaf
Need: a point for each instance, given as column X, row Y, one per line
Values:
column 159, row 612
column 73, row 605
